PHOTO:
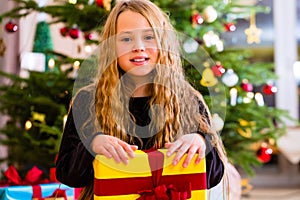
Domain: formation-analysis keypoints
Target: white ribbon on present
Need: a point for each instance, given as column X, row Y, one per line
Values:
column 289, row 146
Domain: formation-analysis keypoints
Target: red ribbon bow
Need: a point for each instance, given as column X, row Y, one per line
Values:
column 162, row 192
column 32, row 177
column 159, row 192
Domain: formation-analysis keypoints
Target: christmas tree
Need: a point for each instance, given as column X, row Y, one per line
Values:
column 233, row 86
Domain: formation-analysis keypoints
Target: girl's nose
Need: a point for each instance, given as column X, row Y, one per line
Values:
column 138, row 46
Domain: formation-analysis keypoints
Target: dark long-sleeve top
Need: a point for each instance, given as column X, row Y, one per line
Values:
column 74, row 163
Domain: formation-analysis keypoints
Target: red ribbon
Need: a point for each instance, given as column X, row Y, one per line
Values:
column 59, row 193
column 164, row 192
column 159, row 192
column 32, row 177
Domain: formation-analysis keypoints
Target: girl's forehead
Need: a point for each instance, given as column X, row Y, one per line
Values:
column 136, row 31
column 129, row 20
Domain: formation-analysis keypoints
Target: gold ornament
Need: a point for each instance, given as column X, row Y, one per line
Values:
column 253, row 33
column 247, row 133
column 208, row 78
column 38, row 117
column 246, row 186
column 107, row 5
column 245, row 129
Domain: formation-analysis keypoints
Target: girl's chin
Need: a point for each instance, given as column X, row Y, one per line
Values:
column 141, row 71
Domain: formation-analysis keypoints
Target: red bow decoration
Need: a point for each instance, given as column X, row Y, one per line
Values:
column 181, row 193
column 159, row 192
column 32, row 177
column 162, row 192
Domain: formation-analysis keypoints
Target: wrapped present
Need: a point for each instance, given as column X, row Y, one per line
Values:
column 34, row 186
column 38, row 192
column 149, row 175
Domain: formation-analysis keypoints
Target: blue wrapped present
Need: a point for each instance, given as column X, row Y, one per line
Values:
column 40, row 191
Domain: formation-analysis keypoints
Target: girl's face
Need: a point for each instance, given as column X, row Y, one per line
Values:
column 136, row 44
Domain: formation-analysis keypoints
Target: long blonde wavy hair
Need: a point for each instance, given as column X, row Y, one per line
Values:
column 174, row 104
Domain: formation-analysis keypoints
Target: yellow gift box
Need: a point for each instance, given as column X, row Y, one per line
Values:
column 149, row 175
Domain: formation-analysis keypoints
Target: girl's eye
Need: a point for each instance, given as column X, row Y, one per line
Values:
column 149, row 37
column 126, row 39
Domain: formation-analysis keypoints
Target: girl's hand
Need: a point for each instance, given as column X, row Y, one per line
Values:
column 112, row 147
column 190, row 144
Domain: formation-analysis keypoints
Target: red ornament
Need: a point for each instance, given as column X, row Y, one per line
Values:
column 264, row 154
column 247, row 87
column 11, row 27
column 88, row 36
column 99, row 3
column 74, row 33
column 197, row 19
column 218, row 70
column 64, row 31
column 269, row 89
column 230, row 27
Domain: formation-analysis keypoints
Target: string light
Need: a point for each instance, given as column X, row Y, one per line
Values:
column 249, row 97
column 88, row 49
column 65, row 120
column 76, row 65
column 72, row 1
column 51, row 63
column 28, row 125
column 259, row 99
column 233, row 96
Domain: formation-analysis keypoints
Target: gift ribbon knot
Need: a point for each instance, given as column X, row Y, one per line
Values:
column 32, row 177
column 163, row 192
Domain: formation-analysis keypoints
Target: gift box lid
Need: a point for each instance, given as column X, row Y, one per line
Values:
column 139, row 166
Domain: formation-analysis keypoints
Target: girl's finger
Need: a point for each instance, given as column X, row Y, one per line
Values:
column 104, row 152
column 190, row 154
column 111, row 148
column 180, row 152
column 172, row 147
column 121, row 153
column 201, row 154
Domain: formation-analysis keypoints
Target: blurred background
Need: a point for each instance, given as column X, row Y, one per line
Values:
column 253, row 49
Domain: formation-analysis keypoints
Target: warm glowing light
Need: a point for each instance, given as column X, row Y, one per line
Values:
column 259, row 99
column 51, row 63
column 233, row 96
column 88, row 49
column 28, row 125
column 72, row 1
column 76, row 64
column 65, row 120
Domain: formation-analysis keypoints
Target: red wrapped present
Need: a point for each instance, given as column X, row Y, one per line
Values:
column 149, row 176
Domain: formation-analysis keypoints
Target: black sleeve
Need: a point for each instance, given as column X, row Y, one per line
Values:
column 74, row 163
column 214, row 165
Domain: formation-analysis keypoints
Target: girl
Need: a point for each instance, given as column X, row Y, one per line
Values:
column 140, row 100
